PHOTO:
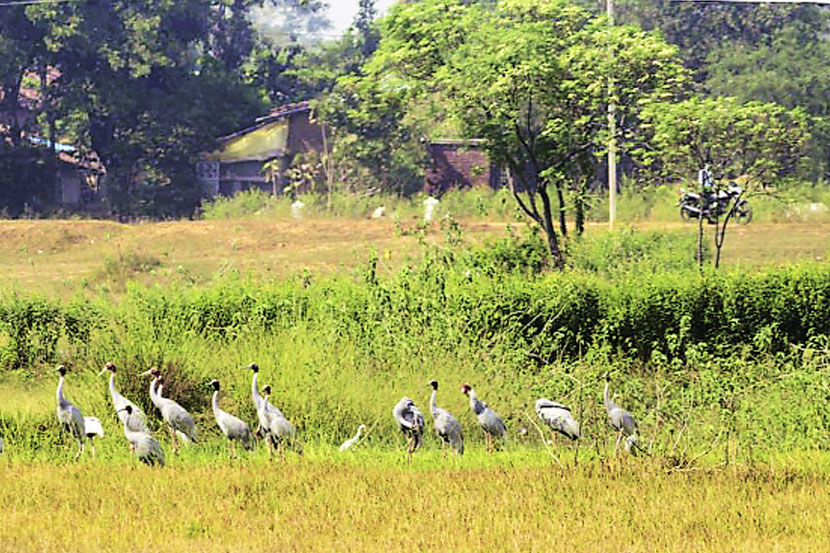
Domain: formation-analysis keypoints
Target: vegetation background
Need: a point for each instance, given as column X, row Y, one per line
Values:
column 726, row 371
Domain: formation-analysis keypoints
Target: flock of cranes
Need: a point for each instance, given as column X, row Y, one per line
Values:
column 276, row 430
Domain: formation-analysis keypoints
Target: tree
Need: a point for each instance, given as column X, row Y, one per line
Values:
column 758, row 142
column 791, row 71
column 699, row 28
column 139, row 84
column 376, row 142
column 531, row 78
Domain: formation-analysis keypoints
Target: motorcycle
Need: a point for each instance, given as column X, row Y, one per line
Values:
column 716, row 205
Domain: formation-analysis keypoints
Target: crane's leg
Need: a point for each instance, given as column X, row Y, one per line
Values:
column 617, row 445
column 172, row 439
column 92, row 446
column 80, row 449
column 488, row 441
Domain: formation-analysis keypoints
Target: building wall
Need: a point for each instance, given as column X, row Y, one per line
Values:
column 303, row 135
column 459, row 164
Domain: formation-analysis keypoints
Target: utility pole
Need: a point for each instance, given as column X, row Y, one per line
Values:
column 612, row 140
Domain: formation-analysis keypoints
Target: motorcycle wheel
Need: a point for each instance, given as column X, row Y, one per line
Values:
column 685, row 215
column 743, row 214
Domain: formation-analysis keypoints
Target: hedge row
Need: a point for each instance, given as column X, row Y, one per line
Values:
column 442, row 305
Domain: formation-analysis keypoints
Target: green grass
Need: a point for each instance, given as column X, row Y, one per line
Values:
column 347, row 315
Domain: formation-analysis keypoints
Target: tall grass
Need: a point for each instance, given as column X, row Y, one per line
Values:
column 703, row 360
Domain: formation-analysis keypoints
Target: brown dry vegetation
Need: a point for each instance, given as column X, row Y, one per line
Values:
column 341, row 507
column 55, row 256
column 59, row 257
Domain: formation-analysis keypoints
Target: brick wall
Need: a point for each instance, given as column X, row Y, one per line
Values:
column 459, row 164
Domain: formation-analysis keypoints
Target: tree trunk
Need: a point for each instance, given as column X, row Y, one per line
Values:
column 550, row 232
column 700, row 233
column 563, row 227
column 579, row 208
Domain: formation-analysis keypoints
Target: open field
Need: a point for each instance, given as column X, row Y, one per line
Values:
column 343, row 506
column 737, row 431
column 63, row 257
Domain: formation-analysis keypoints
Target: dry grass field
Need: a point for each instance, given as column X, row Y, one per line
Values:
column 59, row 257
column 337, row 506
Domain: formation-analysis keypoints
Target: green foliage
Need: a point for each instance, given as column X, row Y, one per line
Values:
column 698, row 29
column 532, row 79
column 790, row 71
column 628, row 251
column 761, row 142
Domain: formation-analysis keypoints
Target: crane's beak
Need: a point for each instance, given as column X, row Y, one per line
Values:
column 146, row 373
column 102, row 371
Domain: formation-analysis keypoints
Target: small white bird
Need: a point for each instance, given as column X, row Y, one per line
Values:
column 352, row 441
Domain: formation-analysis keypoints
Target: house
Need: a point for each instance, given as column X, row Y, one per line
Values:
column 460, row 163
column 239, row 162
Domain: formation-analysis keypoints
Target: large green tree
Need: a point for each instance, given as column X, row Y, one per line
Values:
column 534, row 79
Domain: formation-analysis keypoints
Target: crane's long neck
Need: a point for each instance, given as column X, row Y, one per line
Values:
column 476, row 404
column 432, row 406
column 215, row 402
column 59, row 395
column 254, row 390
column 113, row 392
column 154, row 397
column 607, row 400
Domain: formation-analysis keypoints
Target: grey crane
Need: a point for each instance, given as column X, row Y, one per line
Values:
column 179, row 421
column 352, row 441
column 446, row 426
column 559, row 418
column 72, row 421
column 273, row 425
column 146, row 447
column 278, row 429
column 490, row 422
column 621, row 420
column 138, row 419
column 260, row 429
column 411, row 421
column 233, row 428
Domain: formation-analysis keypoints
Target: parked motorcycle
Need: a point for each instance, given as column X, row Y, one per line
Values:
column 716, row 205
